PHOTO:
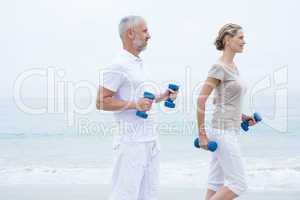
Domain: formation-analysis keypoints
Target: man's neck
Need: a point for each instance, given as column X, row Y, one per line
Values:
column 132, row 50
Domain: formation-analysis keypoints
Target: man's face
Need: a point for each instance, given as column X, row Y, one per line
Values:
column 141, row 36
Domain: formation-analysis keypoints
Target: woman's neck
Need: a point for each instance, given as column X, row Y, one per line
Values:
column 228, row 57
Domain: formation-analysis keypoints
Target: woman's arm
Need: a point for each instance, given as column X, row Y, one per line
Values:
column 206, row 90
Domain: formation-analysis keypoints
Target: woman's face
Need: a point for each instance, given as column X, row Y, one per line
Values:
column 237, row 42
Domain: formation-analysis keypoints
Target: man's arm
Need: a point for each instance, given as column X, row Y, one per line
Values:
column 106, row 101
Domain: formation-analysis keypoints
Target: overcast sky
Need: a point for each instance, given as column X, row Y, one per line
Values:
column 81, row 37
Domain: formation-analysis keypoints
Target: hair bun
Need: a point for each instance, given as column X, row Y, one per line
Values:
column 227, row 29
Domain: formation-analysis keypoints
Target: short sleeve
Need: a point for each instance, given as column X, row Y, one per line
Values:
column 217, row 72
column 112, row 78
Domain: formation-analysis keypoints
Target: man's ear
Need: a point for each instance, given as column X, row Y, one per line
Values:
column 131, row 34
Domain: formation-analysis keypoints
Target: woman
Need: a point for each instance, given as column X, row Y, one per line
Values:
column 226, row 178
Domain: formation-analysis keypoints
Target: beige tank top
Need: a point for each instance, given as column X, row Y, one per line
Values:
column 227, row 97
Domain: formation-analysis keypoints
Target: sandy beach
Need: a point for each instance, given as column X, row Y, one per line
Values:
column 100, row 192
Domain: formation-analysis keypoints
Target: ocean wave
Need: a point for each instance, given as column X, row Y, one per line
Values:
column 263, row 169
column 185, row 175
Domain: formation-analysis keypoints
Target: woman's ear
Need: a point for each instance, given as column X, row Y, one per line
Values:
column 226, row 40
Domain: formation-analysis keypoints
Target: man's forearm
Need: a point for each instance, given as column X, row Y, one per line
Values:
column 112, row 104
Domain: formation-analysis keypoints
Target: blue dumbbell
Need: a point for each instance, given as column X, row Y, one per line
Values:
column 169, row 102
column 245, row 124
column 143, row 114
column 211, row 146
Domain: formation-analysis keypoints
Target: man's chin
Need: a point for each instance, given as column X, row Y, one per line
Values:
column 143, row 48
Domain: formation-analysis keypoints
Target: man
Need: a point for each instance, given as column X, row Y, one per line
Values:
column 136, row 166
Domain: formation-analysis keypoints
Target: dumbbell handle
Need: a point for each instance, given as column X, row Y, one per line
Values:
column 211, row 146
column 143, row 114
column 169, row 102
column 245, row 123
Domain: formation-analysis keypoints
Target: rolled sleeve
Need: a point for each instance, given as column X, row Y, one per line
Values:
column 112, row 78
column 217, row 72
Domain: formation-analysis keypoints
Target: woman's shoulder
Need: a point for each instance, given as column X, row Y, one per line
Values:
column 220, row 66
column 217, row 71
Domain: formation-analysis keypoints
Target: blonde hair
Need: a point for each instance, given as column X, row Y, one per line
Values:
column 227, row 29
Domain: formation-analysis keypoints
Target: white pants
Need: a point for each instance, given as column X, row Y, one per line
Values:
column 135, row 173
column 226, row 166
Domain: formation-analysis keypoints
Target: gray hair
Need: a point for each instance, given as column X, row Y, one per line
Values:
column 128, row 22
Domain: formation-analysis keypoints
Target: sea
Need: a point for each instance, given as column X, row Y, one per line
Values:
column 52, row 147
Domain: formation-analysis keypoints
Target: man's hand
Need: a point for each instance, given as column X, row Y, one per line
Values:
column 172, row 94
column 169, row 93
column 144, row 104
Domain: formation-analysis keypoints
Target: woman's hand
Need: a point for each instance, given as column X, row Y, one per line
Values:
column 203, row 140
column 251, row 121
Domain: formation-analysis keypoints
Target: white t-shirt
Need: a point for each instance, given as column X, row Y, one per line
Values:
column 127, row 77
column 228, row 97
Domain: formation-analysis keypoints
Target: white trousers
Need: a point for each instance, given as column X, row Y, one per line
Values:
column 135, row 172
column 226, row 166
